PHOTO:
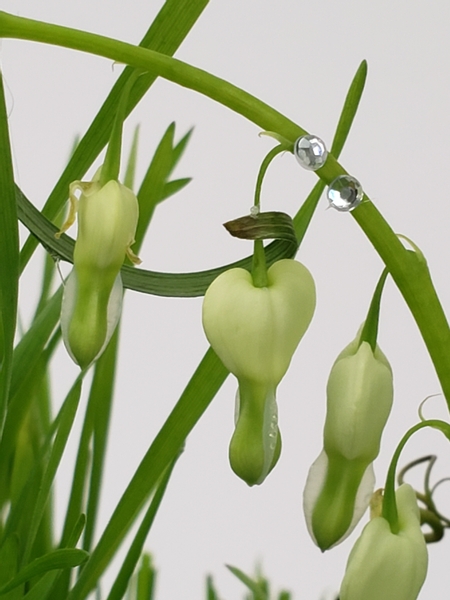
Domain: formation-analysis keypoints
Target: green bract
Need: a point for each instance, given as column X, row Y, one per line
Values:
column 255, row 331
column 341, row 480
column 92, row 301
column 388, row 566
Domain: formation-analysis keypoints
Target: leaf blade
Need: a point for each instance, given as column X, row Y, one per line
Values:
column 9, row 257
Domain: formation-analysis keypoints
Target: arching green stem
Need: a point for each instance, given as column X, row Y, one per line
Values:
column 410, row 275
column 263, row 170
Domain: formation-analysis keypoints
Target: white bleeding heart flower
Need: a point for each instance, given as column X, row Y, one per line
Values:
column 92, row 300
column 255, row 331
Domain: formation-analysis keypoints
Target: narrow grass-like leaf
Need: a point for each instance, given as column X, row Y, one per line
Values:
column 254, row 586
column 42, row 590
column 58, row 559
column 30, row 347
column 181, row 285
column 195, row 399
column 174, row 186
column 151, row 190
column 123, row 578
column 349, row 110
column 211, row 593
column 146, row 579
column 9, row 562
column 179, row 149
column 9, row 258
column 130, row 172
column 19, row 407
column 303, row 217
column 172, row 24
column 67, row 416
column 61, row 584
column 100, row 398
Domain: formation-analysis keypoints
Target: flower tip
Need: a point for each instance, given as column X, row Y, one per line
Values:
column 251, row 462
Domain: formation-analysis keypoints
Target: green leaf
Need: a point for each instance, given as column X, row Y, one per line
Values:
column 9, row 258
column 254, row 586
column 63, row 579
column 43, row 588
column 303, row 217
column 172, row 187
column 179, row 149
column 172, row 24
column 30, row 347
column 21, row 403
column 146, row 580
column 99, row 408
column 151, row 190
column 9, row 561
column 130, row 172
column 65, row 558
column 66, row 419
column 211, row 593
column 201, row 389
column 349, row 111
column 182, row 285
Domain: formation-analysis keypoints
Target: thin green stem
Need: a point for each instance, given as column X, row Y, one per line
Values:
column 390, row 512
column 263, row 169
column 111, row 166
column 411, row 277
column 259, row 266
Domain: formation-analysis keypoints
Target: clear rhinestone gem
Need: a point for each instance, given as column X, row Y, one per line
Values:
column 310, row 152
column 345, row 193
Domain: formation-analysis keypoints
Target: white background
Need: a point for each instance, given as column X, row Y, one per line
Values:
column 300, row 58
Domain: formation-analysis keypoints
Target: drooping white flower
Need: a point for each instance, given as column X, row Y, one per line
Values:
column 340, row 482
column 92, row 300
column 384, row 565
column 255, row 331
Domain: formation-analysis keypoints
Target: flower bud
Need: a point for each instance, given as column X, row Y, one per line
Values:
column 255, row 331
column 341, row 481
column 387, row 565
column 92, row 301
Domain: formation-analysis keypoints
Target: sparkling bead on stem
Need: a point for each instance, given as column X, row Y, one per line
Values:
column 345, row 193
column 310, row 152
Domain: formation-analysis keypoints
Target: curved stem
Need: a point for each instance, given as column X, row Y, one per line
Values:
column 390, row 512
column 263, row 169
column 165, row 66
column 410, row 275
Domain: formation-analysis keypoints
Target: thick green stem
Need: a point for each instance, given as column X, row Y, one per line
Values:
column 410, row 275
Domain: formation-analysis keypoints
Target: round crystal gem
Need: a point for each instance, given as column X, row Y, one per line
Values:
column 310, row 152
column 345, row 193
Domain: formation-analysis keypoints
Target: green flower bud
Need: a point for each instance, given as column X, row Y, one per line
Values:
column 255, row 331
column 341, row 480
column 92, row 301
column 387, row 565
